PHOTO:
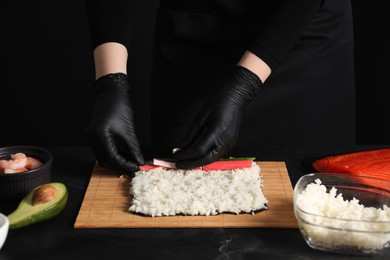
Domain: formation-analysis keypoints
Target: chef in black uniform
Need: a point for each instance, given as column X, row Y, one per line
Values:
column 226, row 72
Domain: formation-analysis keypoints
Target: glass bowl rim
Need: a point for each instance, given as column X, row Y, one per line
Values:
column 332, row 174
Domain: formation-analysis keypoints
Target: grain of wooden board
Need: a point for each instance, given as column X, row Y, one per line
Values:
column 107, row 200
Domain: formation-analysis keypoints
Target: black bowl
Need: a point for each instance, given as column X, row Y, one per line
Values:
column 14, row 186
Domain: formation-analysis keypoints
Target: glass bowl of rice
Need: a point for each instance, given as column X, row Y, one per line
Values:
column 344, row 213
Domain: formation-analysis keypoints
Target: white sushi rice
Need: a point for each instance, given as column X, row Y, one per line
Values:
column 167, row 192
column 334, row 222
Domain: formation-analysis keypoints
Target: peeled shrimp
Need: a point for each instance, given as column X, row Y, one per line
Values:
column 19, row 162
column 15, row 170
column 33, row 163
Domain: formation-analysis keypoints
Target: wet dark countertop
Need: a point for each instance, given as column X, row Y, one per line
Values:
column 57, row 239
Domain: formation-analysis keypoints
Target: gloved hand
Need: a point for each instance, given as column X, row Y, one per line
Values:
column 111, row 131
column 216, row 127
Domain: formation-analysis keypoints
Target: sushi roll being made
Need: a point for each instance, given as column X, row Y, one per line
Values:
column 209, row 190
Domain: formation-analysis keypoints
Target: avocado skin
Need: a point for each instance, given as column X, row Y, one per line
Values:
column 41, row 215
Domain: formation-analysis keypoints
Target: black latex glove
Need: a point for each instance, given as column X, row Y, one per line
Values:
column 216, row 127
column 111, row 131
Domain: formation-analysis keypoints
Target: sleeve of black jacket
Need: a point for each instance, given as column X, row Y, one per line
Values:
column 109, row 21
column 278, row 26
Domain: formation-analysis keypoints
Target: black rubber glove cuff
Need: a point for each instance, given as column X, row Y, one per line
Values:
column 119, row 80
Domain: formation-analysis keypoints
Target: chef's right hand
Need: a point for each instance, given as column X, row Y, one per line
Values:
column 111, row 130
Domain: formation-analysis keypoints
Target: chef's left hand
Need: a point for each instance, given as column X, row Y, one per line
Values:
column 216, row 127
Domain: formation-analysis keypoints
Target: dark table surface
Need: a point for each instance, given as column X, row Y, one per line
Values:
column 57, row 239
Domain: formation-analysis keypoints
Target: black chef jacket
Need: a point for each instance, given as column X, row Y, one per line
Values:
column 308, row 44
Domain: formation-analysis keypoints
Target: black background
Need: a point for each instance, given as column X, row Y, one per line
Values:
column 47, row 71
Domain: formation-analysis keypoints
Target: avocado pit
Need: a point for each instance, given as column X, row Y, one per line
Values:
column 44, row 194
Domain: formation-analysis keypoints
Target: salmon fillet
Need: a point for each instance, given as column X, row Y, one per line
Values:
column 373, row 162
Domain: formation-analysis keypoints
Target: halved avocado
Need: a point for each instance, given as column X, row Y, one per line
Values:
column 42, row 203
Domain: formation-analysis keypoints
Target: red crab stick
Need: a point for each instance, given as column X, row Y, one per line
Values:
column 224, row 164
column 228, row 165
column 148, row 167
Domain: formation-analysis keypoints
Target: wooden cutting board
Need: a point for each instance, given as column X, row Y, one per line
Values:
column 107, row 200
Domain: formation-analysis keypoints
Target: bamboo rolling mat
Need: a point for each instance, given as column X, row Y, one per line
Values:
column 107, row 200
